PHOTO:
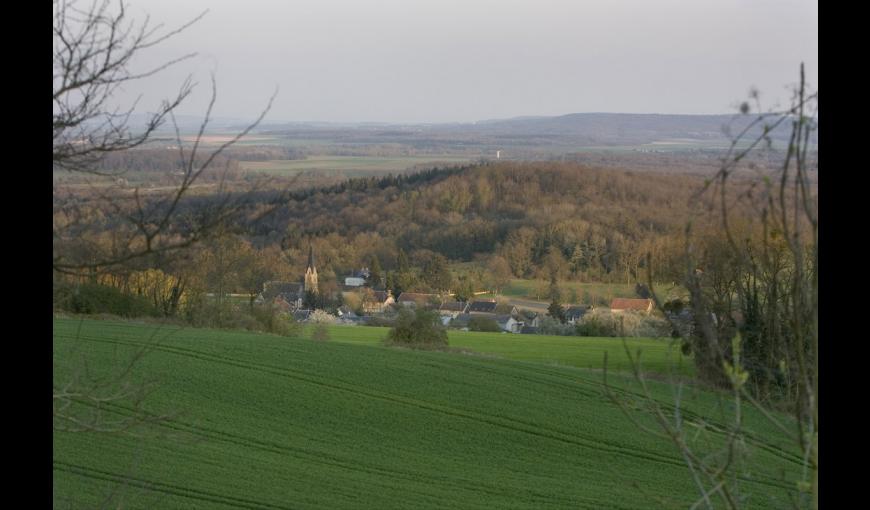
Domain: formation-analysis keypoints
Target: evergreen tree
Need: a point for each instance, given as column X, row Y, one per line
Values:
column 374, row 279
column 436, row 275
column 556, row 311
column 390, row 283
column 402, row 264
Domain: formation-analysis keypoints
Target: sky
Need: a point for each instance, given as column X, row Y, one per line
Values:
column 433, row 61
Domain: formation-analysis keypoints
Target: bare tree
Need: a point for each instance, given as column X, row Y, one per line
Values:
column 94, row 48
column 754, row 302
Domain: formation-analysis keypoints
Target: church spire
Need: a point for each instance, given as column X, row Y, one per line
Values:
column 310, row 284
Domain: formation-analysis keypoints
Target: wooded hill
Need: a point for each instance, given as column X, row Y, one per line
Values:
column 595, row 221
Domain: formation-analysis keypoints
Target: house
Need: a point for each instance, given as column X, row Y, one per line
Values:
column 619, row 305
column 354, row 281
column 482, row 307
column 574, row 314
column 381, row 299
column 291, row 294
column 282, row 305
column 452, row 308
column 414, row 299
column 508, row 323
column 530, row 319
column 506, row 309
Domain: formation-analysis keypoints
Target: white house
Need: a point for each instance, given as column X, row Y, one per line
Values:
column 354, row 281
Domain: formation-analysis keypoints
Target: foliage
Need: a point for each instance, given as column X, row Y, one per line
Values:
column 483, row 324
column 321, row 317
column 93, row 298
column 418, row 327
column 320, row 332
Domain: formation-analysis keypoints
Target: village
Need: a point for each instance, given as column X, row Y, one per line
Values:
column 373, row 306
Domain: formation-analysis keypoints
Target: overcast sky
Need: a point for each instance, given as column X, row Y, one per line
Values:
column 467, row 60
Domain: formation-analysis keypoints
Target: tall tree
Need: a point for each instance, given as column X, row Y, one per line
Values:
column 374, row 279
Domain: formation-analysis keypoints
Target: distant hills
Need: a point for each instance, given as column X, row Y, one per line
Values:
column 572, row 130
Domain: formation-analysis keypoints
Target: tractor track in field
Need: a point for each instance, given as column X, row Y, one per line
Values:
column 579, row 440
column 328, row 459
column 719, row 428
column 166, row 488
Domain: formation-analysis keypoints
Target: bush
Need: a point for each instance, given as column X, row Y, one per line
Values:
column 551, row 326
column 483, row 324
column 275, row 321
column 320, row 332
column 418, row 328
column 265, row 318
column 380, row 322
column 604, row 323
column 93, row 298
column 321, row 317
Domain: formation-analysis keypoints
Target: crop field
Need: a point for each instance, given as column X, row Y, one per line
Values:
column 266, row 422
column 348, row 166
column 584, row 292
column 657, row 355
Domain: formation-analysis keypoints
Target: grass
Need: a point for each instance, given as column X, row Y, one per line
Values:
column 585, row 293
column 658, row 355
column 271, row 422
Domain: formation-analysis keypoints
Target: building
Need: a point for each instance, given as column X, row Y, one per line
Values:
column 415, row 299
column 508, row 323
column 482, row 307
column 290, row 294
column 452, row 308
column 574, row 314
column 381, row 299
column 354, row 281
column 619, row 305
column 311, row 274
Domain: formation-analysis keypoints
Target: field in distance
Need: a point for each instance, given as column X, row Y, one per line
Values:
column 263, row 421
column 348, row 166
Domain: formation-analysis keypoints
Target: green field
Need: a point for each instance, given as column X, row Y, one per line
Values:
column 348, row 166
column 263, row 421
column 657, row 355
column 599, row 294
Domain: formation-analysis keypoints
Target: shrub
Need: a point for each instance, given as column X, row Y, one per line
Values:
column 320, row 332
column 600, row 322
column 551, row 326
column 418, row 328
column 93, row 298
column 483, row 324
column 321, row 317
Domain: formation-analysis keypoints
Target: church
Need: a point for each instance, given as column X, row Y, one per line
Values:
column 291, row 296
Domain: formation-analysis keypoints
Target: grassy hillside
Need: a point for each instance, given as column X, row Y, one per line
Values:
column 659, row 355
column 271, row 422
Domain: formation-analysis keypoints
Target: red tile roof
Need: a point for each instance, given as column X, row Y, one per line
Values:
column 630, row 304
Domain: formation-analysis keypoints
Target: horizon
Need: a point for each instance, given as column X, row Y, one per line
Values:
column 459, row 62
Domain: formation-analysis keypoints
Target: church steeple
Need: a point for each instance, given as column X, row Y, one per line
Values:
column 311, row 273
